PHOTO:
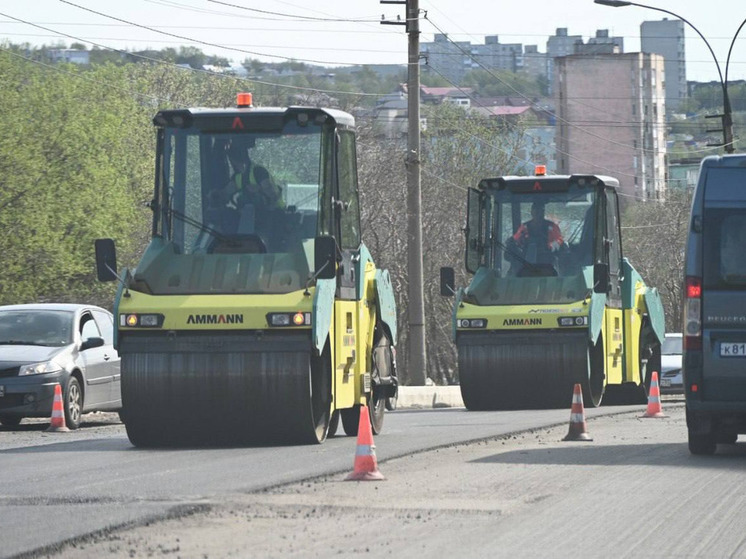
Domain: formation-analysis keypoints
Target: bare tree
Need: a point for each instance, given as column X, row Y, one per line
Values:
column 654, row 233
column 458, row 150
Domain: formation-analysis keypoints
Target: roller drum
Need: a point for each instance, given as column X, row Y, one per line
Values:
column 226, row 389
column 507, row 371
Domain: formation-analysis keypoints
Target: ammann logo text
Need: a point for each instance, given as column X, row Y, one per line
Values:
column 522, row 322
column 215, row 319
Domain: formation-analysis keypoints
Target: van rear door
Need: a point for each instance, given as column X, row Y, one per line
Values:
column 724, row 285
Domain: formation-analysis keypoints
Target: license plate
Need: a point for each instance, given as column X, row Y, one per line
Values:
column 666, row 382
column 733, row 350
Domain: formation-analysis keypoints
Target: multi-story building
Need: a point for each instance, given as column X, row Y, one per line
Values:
column 534, row 62
column 499, row 56
column 611, row 119
column 452, row 59
column 602, row 43
column 559, row 44
column 447, row 58
column 666, row 37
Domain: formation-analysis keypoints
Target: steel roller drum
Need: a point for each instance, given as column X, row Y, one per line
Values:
column 508, row 371
column 223, row 389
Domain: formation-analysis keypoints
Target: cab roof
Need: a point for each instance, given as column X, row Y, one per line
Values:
column 540, row 183
column 169, row 117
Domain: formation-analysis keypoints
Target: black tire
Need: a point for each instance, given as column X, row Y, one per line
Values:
column 10, row 420
column 650, row 345
column 351, row 417
column 391, row 403
column 383, row 374
column 593, row 382
column 702, row 444
column 333, row 424
column 376, row 412
column 350, row 420
column 73, row 403
column 726, row 437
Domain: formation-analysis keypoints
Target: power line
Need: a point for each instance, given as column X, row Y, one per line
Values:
column 521, row 94
column 275, row 84
column 81, row 76
column 230, row 46
column 199, row 41
column 198, row 70
column 205, row 27
column 294, row 16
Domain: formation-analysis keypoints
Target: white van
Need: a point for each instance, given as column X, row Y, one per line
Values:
column 714, row 360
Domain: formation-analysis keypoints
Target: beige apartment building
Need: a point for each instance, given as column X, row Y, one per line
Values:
column 611, row 119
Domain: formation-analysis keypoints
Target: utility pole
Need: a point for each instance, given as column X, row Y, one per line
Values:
column 417, row 359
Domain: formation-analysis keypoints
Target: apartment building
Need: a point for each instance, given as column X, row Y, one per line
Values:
column 611, row 119
column 666, row 37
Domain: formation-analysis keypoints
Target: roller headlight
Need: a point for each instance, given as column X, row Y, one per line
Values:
column 136, row 320
column 566, row 321
column 472, row 323
column 283, row 319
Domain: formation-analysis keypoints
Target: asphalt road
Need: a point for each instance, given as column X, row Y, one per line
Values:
column 59, row 487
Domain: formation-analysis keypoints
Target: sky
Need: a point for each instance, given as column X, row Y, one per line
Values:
column 344, row 32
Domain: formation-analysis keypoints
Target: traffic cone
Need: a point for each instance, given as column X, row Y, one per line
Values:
column 366, row 465
column 58, row 412
column 577, row 431
column 654, row 399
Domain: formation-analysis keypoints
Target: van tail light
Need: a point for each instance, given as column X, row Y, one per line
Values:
column 693, row 313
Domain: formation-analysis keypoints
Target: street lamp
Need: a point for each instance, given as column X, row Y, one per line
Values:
column 726, row 116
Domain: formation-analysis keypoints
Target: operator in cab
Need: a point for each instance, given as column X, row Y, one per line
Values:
column 539, row 239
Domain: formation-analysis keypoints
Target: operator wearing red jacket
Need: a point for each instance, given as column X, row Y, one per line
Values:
column 544, row 231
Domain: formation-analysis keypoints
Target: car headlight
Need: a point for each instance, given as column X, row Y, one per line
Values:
column 39, row 368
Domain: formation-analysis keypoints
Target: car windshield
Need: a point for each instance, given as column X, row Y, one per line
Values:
column 36, row 327
column 671, row 346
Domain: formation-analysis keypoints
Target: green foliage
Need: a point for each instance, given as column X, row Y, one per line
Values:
column 76, row 164
column 71, row 171
column 457, row 151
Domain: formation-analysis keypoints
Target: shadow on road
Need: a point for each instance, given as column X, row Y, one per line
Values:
column 583, row 454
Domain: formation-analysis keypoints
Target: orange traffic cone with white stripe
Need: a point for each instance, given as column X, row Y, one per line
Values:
column 366, row 465
column 654, row 399
column 577, row 431
column 58, row 411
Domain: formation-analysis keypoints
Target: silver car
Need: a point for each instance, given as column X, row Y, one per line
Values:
column 671, row 380
column 42, row 345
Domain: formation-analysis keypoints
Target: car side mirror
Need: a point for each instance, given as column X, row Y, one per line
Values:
column 601, row 278
column 106, row 260
column 447, row 282
column 91, row 343
column 325, row 257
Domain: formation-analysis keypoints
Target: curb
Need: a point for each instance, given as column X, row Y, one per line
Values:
column 421, row 397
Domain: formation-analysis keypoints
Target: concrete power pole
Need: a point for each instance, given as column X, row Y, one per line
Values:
column 417, row 359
